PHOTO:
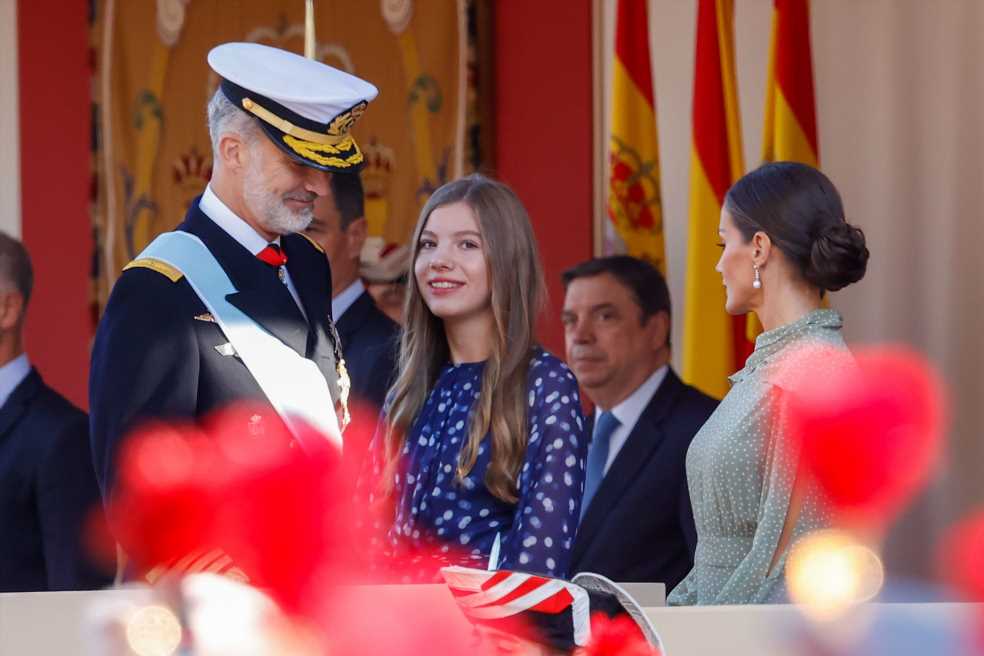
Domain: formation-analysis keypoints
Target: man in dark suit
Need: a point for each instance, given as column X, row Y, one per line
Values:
column 636, row 520
column 49, row 486
column 279, row 126
column 369, row 338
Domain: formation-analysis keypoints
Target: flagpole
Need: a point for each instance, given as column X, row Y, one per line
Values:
column 309, row 40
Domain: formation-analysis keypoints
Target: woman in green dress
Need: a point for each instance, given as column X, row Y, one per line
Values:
column 785, row 243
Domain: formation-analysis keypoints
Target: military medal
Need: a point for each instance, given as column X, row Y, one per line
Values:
column 282, row 274
column 342, row 380
column 344, row 387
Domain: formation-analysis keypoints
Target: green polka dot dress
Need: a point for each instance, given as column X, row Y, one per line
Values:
column 740, row 472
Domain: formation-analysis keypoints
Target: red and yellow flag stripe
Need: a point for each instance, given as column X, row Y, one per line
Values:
column 790, row 131
column 790, row 106
column 714, row 344
column 634, row 203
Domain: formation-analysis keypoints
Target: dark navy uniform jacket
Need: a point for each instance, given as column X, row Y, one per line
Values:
column 640, row 524
column 155, row 354
column 48, row 488
column 370, row 341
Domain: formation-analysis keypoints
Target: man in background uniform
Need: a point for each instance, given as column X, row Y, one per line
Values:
column 369, row 337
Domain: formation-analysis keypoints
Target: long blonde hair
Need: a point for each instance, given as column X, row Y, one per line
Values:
column 518, row 293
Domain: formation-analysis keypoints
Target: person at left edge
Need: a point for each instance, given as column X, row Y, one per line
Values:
column 279, row 125
column 49, row 487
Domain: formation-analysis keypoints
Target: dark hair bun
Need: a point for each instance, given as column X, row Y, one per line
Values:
column 838, row 257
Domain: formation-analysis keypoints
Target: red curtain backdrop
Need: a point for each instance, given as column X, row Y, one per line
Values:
column 543, row 100
column 53, row 65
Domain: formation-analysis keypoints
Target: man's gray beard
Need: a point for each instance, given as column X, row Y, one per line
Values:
column 270, row 209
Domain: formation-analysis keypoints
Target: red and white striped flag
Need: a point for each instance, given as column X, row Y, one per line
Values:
column 487, row 596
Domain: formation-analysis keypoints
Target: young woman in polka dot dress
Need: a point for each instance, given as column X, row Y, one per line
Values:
column 482, row 448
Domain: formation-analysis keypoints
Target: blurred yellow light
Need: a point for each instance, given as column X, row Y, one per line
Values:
column 828, row 572
column 153, row 631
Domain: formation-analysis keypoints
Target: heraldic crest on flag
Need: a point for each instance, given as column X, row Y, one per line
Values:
column 634, row 202
column 635, row 211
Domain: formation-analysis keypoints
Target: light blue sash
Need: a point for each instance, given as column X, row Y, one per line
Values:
column 294, row 385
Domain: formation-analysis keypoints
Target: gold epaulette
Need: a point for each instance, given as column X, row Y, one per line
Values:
column 215, row 561
column 313, row 243
column 160, row 267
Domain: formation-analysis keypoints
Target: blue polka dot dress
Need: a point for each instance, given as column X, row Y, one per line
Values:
column 459, row 521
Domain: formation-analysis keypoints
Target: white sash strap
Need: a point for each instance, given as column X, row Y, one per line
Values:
column 294, row 385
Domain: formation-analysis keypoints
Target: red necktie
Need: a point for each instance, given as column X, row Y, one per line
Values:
column 273, row 256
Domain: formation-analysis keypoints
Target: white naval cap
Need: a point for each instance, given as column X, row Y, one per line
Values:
column 307, row 108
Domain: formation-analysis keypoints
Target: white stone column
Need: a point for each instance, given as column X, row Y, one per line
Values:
column 10, row 193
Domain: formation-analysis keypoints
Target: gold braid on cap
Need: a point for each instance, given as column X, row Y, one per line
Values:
column 287, row 127
column 314, row 152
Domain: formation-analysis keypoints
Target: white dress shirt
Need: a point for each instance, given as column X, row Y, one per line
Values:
column 13, row 374
column 346, row 298
column 628, row 412
column 243, row 233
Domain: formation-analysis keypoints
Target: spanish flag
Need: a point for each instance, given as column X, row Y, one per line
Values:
column 714, row 343
column 634, row 206
column 790, row 132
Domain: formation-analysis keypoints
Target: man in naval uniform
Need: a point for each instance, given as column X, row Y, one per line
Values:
column 234, row 304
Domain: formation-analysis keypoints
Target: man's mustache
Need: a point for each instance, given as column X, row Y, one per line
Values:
column 307, row 197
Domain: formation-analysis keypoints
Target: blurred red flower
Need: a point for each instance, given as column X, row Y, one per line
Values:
column 869, row 430
column 961, row 557
column 616, row 636
column 166, row 495
column 240, row 485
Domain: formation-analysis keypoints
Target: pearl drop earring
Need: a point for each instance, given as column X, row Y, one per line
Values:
column 757, row 283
